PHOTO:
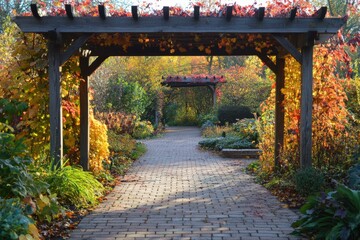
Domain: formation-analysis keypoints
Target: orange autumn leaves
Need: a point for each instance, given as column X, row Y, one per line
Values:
column 330, row 116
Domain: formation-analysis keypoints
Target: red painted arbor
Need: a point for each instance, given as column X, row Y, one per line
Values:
column 102, row 37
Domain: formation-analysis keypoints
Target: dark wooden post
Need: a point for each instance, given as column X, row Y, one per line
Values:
column 55, row 107
column 84, row 114
column 214, row 96
column 306, row 104
column 213, row 93
column 279, row 109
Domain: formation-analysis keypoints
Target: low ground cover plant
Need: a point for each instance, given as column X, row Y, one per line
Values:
column 332, row 215
column 239, row 135
column 220, row 143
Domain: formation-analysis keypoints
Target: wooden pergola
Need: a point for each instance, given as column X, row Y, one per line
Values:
column 103, row 36
column 195, row 81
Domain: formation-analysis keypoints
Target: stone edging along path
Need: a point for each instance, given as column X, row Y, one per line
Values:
column 176, row 191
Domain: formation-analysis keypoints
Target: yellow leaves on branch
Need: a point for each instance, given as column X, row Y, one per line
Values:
column 330, row 116
column 99, row 146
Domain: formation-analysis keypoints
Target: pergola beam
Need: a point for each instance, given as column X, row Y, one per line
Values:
column 155, row 51
column 69, row 11
column 35, row 11
column 229, row 13
column 292, row 14
column 321, row 13
column 134, row 12
column 166, row 12
column 179, row 25
column 260, row 14
column 268, row 62
column 102, row 11
column 95, row 64
column 289, row 47
column 196, row 12
column 75, row 46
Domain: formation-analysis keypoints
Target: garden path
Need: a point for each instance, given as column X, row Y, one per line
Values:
column 176, row 191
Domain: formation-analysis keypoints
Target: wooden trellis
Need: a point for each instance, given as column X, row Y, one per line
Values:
column 195, row 81
column 189, row 36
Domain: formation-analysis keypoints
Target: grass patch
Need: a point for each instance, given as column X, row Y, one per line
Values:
column 73, row 186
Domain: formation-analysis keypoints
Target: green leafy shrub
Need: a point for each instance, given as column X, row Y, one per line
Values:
column 206, row 125
column 10, row 146
column 253, row 167
column 15, row 179
column 335, row 215
column 14, row 220
column 209, row 143
column 308, row 181
column 354, row 177
column 139, row 150
column 218, row 144
column 208, row 117
column 246, row 128
column 11, row 112
column 238, row 144
column 230, row 114
column 143, row 129
column 74, row 186
column 122, row 144
column 123, row 151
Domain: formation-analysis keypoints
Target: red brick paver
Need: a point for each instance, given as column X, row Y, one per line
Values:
column 176, row 191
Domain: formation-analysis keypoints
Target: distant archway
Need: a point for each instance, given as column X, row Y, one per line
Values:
column 196, row 81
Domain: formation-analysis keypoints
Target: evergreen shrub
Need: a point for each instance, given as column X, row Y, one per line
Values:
column 231, row 114
column 309, row 181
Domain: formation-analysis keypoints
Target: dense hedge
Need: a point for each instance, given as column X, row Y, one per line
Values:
column 230, row 114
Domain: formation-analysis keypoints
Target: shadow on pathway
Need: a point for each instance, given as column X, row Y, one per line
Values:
column 176, row 191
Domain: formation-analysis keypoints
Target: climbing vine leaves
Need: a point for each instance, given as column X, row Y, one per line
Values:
column 331, row 135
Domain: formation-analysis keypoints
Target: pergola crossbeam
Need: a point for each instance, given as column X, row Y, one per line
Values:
column 321, row 13
column 196, row 12
column 35, row 11
column 75, row 46
column 292, row 14
column 166, row 12
column 177, row 24
column 268, row 62
column 134, row 12
column 260, row 14
column 96, row 64
column 69, row 11
column 229, row 10
column 102, row 11
column 288, row 46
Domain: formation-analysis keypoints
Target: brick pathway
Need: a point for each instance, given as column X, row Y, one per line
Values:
column 176, row 191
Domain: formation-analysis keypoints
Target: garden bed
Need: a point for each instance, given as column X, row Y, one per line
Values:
column 240, row 153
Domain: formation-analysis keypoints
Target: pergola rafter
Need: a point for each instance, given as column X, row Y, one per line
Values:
column 180, row 36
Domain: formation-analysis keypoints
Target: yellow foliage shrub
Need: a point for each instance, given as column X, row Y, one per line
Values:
column 99, row 146
column 330, row 126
